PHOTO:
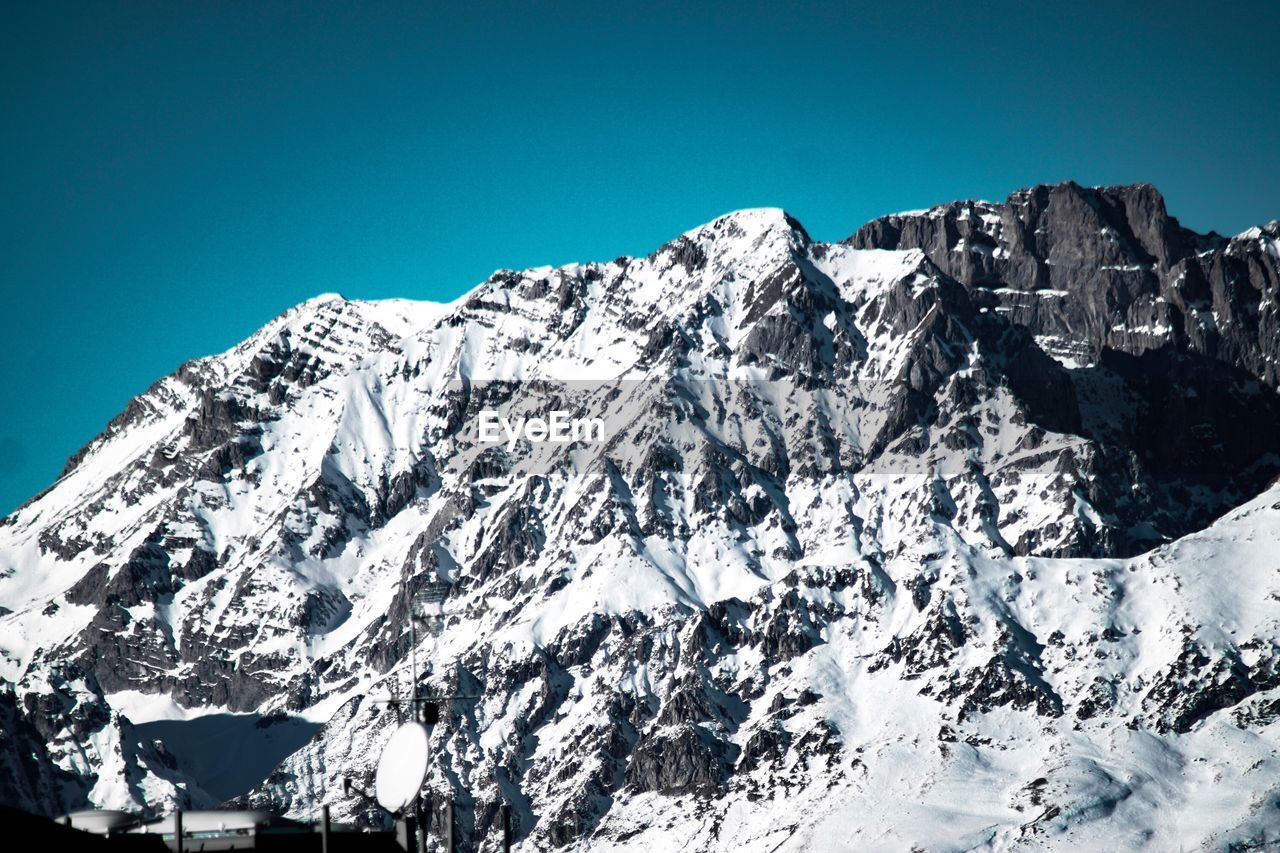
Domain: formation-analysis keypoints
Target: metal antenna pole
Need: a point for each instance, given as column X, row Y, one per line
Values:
column 419, row 818
column 413, row 665
column 435, row 594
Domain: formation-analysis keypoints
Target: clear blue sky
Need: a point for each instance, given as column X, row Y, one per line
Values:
column 172, row 175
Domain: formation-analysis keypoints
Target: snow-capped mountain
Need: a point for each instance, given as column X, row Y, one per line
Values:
column 959, row 534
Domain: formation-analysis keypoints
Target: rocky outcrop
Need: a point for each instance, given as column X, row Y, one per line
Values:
column 1093, row 269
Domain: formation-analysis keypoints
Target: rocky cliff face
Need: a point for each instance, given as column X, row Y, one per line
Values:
column 1091, row 271
column 977, row 507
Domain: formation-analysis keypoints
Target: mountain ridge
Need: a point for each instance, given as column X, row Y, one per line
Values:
column 832, row 468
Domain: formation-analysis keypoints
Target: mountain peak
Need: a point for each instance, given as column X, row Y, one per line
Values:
column 751, row 223
column 323, row 298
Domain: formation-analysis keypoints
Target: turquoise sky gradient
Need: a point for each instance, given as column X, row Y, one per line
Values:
column 172, row 175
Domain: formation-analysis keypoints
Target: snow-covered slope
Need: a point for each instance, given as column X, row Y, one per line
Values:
column 879, row 549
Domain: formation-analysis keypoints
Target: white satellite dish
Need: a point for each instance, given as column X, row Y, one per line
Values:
column 401, row 768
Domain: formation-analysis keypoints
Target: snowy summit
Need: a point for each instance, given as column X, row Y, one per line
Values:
column 958, row 534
